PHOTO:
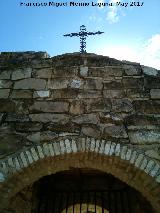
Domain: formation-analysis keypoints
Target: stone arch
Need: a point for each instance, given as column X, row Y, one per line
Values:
column 125, row 163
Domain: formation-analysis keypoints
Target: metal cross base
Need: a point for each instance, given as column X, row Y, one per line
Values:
column 83, row 34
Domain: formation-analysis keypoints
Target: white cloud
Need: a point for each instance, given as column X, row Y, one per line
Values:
column 148, row 53
column 113, row 13
column 153, row 46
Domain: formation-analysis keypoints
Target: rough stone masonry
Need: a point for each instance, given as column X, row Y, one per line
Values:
column 77, row 96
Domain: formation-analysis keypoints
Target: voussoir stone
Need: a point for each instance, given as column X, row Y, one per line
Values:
column 50, row 106
column 30, row 83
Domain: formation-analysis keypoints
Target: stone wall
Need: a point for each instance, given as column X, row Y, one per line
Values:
column 78, row 103
column 73, row 95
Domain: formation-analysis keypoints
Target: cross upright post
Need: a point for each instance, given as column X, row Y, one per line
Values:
column 83, row 34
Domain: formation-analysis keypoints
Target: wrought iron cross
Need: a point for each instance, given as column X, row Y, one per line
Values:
column 83, row 34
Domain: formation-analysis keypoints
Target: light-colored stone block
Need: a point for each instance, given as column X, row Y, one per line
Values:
column 117, row 149
column 144, row 163
column 102, row 146
column 68, row 146
column 155, row 170
column 107, row 147
column 123, row 152
column 24, row 160
column 112, row 149
column 29, row 157
column 21, row 73
column 139, row 160
column 51, row 149
column 41, row 94
column 149, row 166
column 133, row 157
column 84, row 71
column 34, row 154
column 56, row 147
column 2, row 177
column 74, row 146
column 40, row 152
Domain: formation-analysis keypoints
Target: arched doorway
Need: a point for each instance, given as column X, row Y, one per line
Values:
column 84, row 191
column 121, row 162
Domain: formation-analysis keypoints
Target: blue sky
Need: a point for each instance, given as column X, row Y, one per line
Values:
column 131, row 33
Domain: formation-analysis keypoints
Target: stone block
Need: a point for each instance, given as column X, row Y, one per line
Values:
column 28, row 126
column 147, row 106
column 90, row 131
column 137, row 93
column 111, row 118
column 42, row 73
column 21, row 94
column 61, row 71
column 48, row 136
column 99, row 105
column 21, row 73
column 152, row 82
column 34, row 137
column 114, row 84
column 83, row 71
column 58, row 83
column 50, row 106
column 14, row 117
column 76, row 84
column 49, row 117
column 64, row 93
column 41, row 94
column 62, row 127
column 85, row 94
column 142, row 121
column 5, row 84
column 7, row 105
column 2, row 177
column 96, row 71
column 93, row 84
column 114, row 131
column 86, row 119
column 5, row 75
column 132, row 69
column 4, row 93
column 155, row 93
column 114, row 93
column 113, row 71
column 76, row 107
column 122, row 105
column 132, row 83
column 144, row 136
column 150, row 71
column 30, row 83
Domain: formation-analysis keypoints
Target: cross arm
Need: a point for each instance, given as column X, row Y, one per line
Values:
column 72, row 34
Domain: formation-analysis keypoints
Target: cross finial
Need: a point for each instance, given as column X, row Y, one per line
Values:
column 83, row 34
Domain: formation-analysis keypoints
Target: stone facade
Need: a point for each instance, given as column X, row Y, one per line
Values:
column 78, row 103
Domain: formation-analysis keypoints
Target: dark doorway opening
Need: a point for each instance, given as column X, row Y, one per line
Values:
column 86, row 191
